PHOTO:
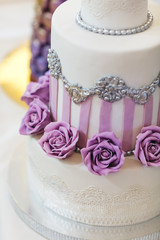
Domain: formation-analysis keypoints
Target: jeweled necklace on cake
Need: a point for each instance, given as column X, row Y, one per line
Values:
column 108, row 88
column 115, row 32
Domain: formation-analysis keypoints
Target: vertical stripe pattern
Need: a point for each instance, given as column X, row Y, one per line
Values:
column 148, row 111
column 53, row 97
column 84, row 122
column 105, row 116
column 66, row 111
column 129, row 110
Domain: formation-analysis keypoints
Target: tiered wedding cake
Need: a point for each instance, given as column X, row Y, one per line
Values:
column 104, row 86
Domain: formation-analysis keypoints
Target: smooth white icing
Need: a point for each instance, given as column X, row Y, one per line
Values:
column 91, row 56
column 67, row 187
column 94, row 122
column 87, row 57
column 114, row 14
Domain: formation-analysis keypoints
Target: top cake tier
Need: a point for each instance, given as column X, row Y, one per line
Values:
column 114, row 14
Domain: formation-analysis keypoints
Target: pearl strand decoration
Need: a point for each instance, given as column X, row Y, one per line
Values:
column 114, row 32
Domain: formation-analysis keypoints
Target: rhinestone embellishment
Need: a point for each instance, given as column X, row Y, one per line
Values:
column 114, row 32
column 109, row 88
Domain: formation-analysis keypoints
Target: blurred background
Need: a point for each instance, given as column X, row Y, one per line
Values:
column 16, row 18
column 15, row 23
column 24, row 42
column 25, row 39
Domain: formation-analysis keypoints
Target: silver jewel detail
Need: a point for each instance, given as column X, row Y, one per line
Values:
column 109, row 88
column 115, row 32
column 129, row 153
column 78, row 150
column 54, row 63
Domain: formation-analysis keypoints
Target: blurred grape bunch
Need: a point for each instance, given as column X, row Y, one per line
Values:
column 40, row 42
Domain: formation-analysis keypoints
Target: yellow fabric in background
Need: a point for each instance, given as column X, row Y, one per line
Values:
column 15, row 72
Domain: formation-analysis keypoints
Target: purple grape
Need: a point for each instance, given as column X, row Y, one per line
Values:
column 45, row 51
column 35, row 47
column 45, row 4
column 46, row 20
column 49, row 38
column 41, row 37
column 53, row 4
column 41, row 64
column 41, row 34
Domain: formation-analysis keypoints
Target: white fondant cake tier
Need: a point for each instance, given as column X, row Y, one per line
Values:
column 114, row 14
column 68, row 188
column 53, row 226
column 87, row 57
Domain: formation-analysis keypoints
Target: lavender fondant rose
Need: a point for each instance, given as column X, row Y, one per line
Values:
column 147, row 148
column 38, row 89
column 103, row 154
column 59, row 139
column 36, row 118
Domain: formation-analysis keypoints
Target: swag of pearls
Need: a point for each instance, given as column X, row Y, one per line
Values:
column 118, row 32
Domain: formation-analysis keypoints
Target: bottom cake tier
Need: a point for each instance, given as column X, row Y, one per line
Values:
column 67, row 187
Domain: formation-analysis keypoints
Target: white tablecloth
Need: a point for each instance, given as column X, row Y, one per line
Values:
column 15, row 27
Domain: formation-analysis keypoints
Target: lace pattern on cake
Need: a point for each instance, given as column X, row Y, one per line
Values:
column 99, row 8
column 86, row 204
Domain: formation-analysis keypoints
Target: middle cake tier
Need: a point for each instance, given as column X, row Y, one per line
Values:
column 130, row 63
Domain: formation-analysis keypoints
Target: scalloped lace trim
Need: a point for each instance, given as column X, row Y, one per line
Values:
column 92, row 205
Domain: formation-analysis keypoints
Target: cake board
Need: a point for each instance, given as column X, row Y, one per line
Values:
column 54, row 227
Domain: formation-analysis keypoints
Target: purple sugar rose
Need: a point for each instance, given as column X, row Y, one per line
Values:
column 147, row 148
column 103, row 154
column 59, row 139
column 36, row 118
column 38, row 89
column 47, row 74
column 45, row 78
